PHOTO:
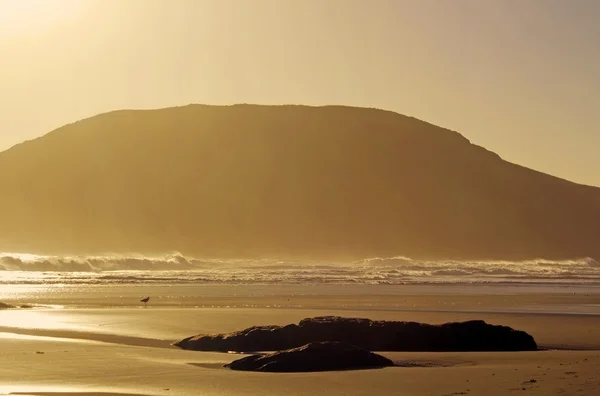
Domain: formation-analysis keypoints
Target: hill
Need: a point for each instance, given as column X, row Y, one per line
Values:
column 284, row 181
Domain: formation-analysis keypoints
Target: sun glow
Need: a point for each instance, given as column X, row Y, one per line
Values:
column 37, row 16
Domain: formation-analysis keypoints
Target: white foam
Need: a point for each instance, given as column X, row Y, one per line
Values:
column 176, row 268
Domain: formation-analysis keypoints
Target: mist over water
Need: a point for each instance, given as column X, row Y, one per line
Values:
column 174, row 268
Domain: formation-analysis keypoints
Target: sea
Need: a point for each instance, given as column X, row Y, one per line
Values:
column 175, row 268
column 34, row 289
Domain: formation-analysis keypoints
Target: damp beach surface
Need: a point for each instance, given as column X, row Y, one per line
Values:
column 94, row 339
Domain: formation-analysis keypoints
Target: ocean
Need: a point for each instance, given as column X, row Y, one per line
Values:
column 174, row 268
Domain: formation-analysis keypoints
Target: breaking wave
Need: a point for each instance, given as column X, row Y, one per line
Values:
column 175, row 268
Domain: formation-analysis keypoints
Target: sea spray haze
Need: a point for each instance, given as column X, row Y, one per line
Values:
column 293, row 182
column 174, row 268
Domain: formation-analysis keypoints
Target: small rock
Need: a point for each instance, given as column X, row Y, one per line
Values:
column 317, row 356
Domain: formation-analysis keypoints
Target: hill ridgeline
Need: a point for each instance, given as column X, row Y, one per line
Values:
column 327, row 182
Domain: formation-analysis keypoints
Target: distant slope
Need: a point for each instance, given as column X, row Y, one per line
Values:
column 246, row 180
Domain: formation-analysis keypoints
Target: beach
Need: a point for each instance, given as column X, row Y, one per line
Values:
column 299, row 198
column 94, row 339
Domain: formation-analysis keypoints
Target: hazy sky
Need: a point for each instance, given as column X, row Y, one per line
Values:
column 520, row 77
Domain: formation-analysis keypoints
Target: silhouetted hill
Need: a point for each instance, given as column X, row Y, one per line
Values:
column 250, row 180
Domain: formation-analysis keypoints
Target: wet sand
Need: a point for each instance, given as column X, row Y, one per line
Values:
column 121, row 348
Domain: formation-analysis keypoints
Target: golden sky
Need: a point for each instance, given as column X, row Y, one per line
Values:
column 521, row 78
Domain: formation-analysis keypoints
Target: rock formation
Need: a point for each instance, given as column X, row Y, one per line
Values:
column 317, row 356
column 368, row 334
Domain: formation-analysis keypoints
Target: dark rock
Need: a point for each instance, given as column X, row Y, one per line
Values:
column 372, row 335
column 317, row 356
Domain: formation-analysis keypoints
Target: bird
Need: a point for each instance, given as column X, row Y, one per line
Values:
column 145, row 301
